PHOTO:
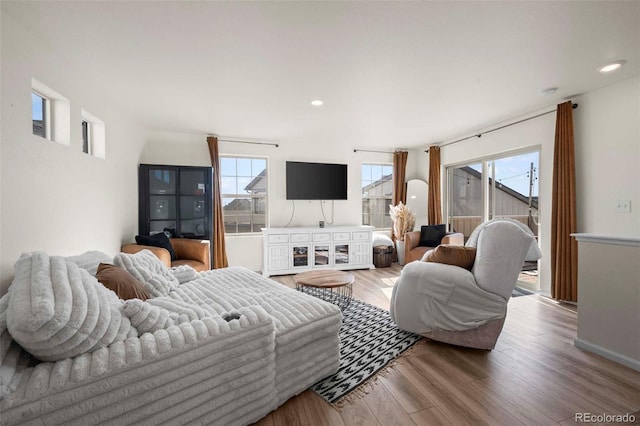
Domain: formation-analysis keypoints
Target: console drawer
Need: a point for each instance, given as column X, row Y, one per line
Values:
column 361, row 236
column 321, row 238
column 341, row 236
column 299, row 238
column 278, row 238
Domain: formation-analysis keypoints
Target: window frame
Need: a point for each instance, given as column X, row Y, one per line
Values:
column 386, row 199
column 46, row 114
column 487, row 182
column 86, row 137
column 95, row 134
column 58, row 113
column 254, row 197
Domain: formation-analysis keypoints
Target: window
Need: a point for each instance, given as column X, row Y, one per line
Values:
column 51, row 114
column 377, row 193
column 244, row 193
column 85, row 137
column 39, row 115
column 505, row 186
column 93, row 134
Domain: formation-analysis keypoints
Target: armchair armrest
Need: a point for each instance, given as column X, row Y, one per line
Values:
column 411, row 240
column 453, row 238
column 188, row 249
column 162, row 254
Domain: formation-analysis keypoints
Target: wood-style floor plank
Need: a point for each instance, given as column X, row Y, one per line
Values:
column 386, row 408
column 358, row 413
column 407, row 395
column 318, row 412
column 431, row 417
column 534, row 376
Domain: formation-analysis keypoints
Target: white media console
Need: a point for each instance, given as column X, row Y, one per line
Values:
column 293, row 250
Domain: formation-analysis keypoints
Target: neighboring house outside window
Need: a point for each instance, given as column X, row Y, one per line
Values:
column 244, row 193
column 377, row 192
column 39, row 114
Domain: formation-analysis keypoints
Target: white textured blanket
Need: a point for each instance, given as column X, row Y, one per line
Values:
column 193, row 366
column 57, row 310
column 307, row 341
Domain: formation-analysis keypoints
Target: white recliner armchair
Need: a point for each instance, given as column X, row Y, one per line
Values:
column 454, row 305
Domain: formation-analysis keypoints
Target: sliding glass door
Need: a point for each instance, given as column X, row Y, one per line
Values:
column 465, row 196
column 495, row 187
column 513, row 189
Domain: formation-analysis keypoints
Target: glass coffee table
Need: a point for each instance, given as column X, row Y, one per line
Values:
column 326, row 284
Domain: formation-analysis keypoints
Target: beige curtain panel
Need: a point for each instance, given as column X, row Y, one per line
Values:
column 219, row 248
column 434, row 214
column 399, row 177
column 564, row 248
column 399, row 184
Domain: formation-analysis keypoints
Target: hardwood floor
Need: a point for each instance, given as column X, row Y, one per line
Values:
column 534, row 376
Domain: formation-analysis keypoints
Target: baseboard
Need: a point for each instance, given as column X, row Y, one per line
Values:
column 609, row 354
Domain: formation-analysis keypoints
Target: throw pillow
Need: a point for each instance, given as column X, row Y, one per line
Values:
column 148, row 269
column 125, row 285
column 461, row 256
column 431, row 235
column 57, row 310
column 381, row 240
column 157, row 240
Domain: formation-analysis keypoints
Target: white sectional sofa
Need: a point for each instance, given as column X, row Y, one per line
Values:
column 223, row 347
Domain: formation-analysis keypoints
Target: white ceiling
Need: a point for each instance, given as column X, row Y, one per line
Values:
column 391, row 74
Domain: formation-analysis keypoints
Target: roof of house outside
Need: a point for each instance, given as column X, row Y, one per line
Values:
column 502, row 187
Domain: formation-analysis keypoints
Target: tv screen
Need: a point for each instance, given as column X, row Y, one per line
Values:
column 316, row 181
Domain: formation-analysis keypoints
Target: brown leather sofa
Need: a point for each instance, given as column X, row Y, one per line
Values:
column 194, row 253
column 413, row 251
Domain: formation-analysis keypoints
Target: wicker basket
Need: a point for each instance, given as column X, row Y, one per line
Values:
column 382, row 256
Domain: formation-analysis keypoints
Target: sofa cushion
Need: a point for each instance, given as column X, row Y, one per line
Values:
column 452, row 255
column 14, row 359
column 125, row 285
column 157, row 240
column 183, row 273
column 57, row 310
column 431, row 235
column 146, row 317
column 147, row 268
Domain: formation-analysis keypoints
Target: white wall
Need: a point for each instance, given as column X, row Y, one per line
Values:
column 55, row 198
column 607, row 133
column 246, row 250
column 608, row 314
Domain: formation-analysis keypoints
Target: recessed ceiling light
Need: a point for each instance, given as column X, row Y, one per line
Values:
column 612, row 66
column 317, row 102
column 549, row 91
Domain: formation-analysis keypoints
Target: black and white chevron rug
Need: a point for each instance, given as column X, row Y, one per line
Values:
column 369, row 340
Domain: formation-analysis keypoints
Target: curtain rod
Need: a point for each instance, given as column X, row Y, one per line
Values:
column 372, row 150
column 479, row 135
column 247, row 142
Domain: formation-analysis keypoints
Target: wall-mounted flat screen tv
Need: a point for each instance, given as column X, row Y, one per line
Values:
column 316, row 181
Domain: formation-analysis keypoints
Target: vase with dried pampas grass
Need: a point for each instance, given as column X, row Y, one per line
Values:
column 403, row 219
